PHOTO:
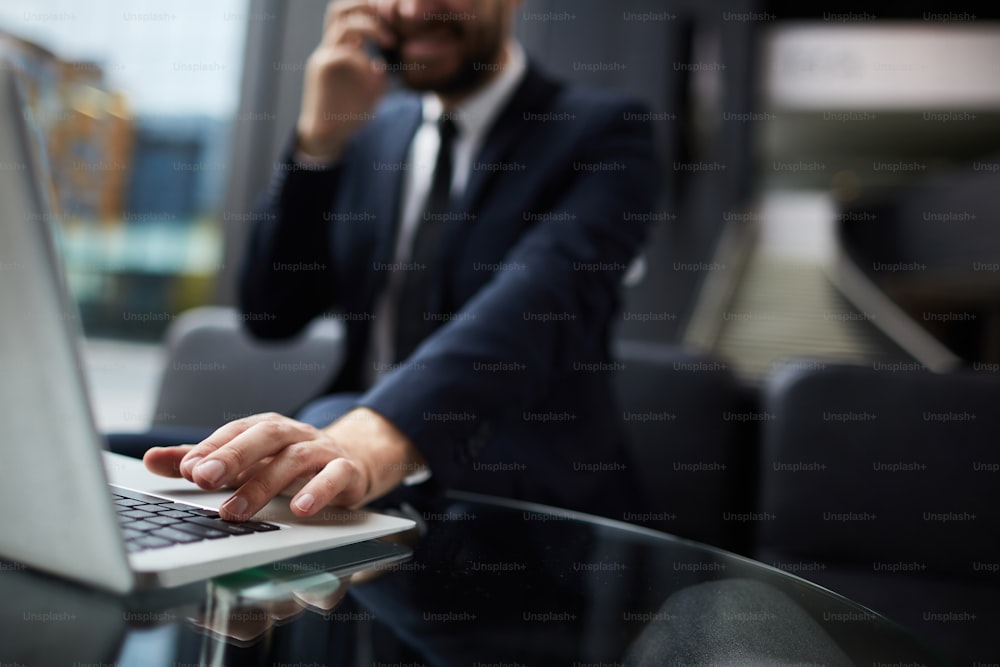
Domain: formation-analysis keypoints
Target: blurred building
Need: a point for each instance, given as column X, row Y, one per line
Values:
column 87, row 129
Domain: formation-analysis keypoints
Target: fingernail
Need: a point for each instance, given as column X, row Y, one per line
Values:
column 187, row 465
column 305, row 502
column 211, row 471
column 237, row 505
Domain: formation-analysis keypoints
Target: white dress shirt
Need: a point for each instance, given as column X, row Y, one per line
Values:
column 474, row 116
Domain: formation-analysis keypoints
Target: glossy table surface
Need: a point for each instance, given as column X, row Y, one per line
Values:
column 482, row 582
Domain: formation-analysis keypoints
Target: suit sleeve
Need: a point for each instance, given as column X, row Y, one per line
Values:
column 550, row 303
column 288, row 262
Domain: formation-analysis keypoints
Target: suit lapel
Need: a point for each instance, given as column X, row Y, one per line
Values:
column 387, row 183
column 532, row 96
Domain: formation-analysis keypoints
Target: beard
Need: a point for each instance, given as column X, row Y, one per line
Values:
column 479, row 61
column 472, row 72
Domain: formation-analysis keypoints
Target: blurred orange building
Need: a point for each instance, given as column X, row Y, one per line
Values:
column 87, row 128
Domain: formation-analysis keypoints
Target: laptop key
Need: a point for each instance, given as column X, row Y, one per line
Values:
column 151, row 542
column 219, row 524
column 176, row 514
column 163, row 520
column 144, row 526
column 131, row 533
column 148, row 508
column 212, row 514
column 136, row 514
column 178, row 506
column 175, row 535
column 202, row 531
column 136, row 495
column 127, row 502
column 260, row 526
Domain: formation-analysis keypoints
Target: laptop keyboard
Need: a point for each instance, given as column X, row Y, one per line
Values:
column 149, row 522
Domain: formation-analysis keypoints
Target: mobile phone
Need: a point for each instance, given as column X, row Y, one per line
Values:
column 392, row 60
column 391, row 56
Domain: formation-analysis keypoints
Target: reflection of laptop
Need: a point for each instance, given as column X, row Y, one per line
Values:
column 117, row 629
column 59, row 514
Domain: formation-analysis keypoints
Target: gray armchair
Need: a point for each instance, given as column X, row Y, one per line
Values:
column 216, row 372
column 880, row 483
column 692, row 431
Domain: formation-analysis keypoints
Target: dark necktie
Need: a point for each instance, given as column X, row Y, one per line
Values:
column 412, row 321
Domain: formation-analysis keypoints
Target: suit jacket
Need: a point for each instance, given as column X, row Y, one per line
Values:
column 512, row 395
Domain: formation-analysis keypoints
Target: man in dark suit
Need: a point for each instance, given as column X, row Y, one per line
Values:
column 472, row 232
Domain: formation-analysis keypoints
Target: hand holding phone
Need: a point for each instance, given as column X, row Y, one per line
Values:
column 343, row 81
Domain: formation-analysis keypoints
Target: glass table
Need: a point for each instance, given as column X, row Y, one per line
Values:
column 481, row 582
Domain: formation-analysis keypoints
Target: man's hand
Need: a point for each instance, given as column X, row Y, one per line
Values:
column 359, row 457
column 342, row 83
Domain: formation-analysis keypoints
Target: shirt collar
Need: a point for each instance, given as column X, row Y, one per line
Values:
column 476, row 113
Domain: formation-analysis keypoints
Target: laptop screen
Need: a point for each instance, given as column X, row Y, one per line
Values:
column 57, row 513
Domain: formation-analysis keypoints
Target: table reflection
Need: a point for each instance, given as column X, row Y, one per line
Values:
column 479, row 581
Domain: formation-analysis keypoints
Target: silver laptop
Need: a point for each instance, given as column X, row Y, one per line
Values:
column 60, row 514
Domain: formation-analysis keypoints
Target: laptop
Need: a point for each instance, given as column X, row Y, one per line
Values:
column 61, row 516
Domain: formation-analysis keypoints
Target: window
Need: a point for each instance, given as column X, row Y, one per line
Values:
column 136, row 101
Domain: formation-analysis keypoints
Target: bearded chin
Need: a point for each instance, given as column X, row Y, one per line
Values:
column 471, row 74
column 468, row 78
